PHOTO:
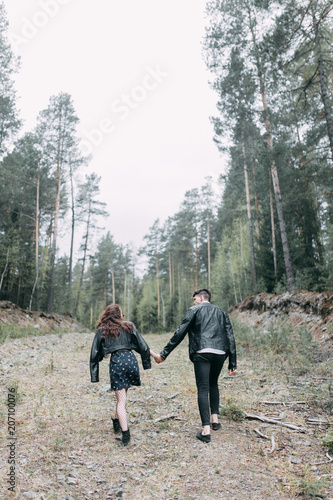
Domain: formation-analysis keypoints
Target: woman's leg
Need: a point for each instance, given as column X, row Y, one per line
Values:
column 202, row 370
column 214, row 394
column 121, row 408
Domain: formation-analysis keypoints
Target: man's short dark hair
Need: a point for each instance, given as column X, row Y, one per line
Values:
column 204, row 292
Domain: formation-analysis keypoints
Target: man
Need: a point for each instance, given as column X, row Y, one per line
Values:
column 211, row 341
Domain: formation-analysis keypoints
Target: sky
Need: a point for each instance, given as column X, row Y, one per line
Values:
column 139, row 84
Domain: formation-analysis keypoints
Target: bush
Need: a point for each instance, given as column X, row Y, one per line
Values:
column 328, row 440
column 232, row 411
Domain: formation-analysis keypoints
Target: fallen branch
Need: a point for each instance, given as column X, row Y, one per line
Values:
column 330, row 459
column 274, row 445
column 272, row 421
column 261, row 434
column 165, row 417
column 172, row 396
column 284, row 403
column 315, row 421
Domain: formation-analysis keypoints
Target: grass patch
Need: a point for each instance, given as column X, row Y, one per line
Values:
column 13, row 331
column 232, row 411
column 328, row 440
column 309, row 488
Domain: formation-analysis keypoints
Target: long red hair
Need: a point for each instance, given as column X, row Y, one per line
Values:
column 111, row 321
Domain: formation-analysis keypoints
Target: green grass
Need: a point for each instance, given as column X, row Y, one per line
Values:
column 13, row 331
column 328, row 440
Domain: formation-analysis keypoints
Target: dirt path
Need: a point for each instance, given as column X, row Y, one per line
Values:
column 65, row 448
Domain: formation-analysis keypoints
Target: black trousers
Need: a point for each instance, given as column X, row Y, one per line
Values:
column 207, row 368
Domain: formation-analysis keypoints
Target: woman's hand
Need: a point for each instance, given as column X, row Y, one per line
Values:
column 107, row 356
column 232, row 372
column 157, row 357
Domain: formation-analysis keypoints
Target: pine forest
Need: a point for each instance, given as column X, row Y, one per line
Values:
column 266, row 225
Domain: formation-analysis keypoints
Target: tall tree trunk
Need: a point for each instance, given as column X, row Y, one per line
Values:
column 124, row 311
column 233, row 281
column 163, row 310
column 19, row 283
column 105, row 297
column 170, row 286
column 256, row 198
column 5, row 269
column 274, row 172
column 179, row 293
column 47, row 246
column 249, row 221
column 196, row 261
column 35, row 287
column 85, row 249
column 70, row 267
column 273, row 231
column 128, row 303
column 173, row 274
column 113, row 288
column 170, row 277
column 208, row 248
column 54, row 241
column 158, row 291
column 324, row 91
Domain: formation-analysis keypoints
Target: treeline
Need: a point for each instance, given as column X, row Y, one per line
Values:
column 270, row 230
column 44, row 194
column 273, row 73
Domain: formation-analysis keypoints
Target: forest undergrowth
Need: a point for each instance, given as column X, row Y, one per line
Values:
column 66, row 448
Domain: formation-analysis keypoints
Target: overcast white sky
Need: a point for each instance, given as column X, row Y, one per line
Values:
column 140, row 88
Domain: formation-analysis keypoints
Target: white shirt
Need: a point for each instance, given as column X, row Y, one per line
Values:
column 213, row 351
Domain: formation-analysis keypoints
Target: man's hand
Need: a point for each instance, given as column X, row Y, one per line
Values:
column 107, row 356
column 232, row 372
column 157, row 357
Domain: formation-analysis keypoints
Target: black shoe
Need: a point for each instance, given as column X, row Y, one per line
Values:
column 203, row 438
column 116, row 425
column 216, row 426
column 126, row 437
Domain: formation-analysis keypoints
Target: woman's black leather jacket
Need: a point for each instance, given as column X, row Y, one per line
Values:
column 102, row 346
column 207, row 326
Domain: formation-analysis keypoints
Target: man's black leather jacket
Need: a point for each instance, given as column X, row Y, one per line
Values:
column 207, row 326
column 102, row 346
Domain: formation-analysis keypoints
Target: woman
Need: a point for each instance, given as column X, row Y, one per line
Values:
column 116, row 338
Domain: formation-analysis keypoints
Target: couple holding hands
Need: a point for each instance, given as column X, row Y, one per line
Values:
column 211, row 342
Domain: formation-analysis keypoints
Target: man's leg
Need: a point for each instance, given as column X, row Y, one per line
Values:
column 202, row 369
column 214, row 395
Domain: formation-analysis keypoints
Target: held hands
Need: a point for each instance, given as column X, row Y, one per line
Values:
column 157, row 357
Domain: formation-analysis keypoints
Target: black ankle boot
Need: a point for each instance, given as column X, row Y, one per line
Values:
column 116, row 425
column 205, row 438
column 126, row 437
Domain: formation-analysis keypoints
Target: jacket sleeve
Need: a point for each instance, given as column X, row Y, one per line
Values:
column 96, row 355
column 231, row 343
column 142, row 348
column 179, row 334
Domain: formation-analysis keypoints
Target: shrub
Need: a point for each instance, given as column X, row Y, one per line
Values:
column 328, row 440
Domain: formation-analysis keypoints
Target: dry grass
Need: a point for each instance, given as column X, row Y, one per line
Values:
column 66, row 448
